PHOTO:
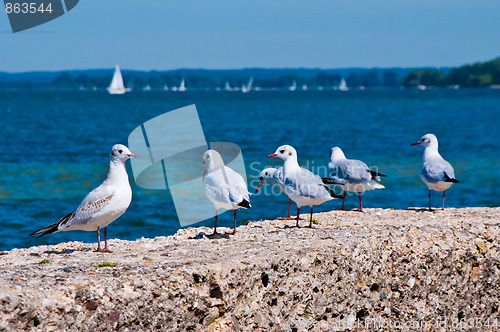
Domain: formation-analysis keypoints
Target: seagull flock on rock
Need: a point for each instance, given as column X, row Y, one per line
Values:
column 227, row 189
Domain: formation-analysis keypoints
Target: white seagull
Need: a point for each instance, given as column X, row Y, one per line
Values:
column 301, row 185
column 352, row 175
column 437, row 173
column 274, row 177
column 223, row 186
column 103, row 205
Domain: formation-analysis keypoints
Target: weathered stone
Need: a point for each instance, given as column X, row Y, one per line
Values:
column 395, row 265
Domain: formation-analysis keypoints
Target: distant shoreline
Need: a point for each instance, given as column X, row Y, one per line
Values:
column 484, row 74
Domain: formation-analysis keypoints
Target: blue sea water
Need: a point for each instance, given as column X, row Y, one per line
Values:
column 54, row 149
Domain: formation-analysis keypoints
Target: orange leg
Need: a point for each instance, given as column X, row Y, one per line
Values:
column 298, row 212
column 343, row 201
column 234, row 229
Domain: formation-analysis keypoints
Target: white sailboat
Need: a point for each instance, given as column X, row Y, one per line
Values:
column 343, row 85
column 294, row 86
column 182, row 87
column 116, row 87
column 248, row 87
column 227, row 87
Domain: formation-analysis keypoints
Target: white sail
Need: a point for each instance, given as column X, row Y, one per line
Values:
column 248, row 87
column 294, row 86
column 343, row 85
column 182, row 87
column 227, row 87
column 116, row 87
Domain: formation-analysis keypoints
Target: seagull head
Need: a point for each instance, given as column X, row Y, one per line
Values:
column 212, row 161
column 337, row 154
column 284, row 152
column 427, row 140
column 121, row 152
column 265, row 177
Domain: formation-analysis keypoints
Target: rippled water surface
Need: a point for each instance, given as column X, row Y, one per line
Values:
column 54, row 149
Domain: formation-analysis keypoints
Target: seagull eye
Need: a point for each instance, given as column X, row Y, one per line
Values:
column 282, row 151
column 289, row 153
column 120, row 151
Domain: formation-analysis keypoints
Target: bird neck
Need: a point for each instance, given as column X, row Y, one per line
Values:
column 116, row 171
column 431, row 151
column 290, row 166
column 212, row 166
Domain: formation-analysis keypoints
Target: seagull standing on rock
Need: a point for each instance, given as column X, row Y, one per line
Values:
column 437, row 173
column 301, row 185
column 352, row 175
column 102, row 205
column 223, row 186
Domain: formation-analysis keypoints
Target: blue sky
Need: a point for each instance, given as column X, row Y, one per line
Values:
column 221, row 34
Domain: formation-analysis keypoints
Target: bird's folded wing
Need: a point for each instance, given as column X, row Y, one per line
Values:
column 435, row 170
column 236, row 186
column 306, row 184
column 94, row 202
column 356, row 171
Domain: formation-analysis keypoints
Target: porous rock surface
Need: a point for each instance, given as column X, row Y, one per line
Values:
column 351, row 270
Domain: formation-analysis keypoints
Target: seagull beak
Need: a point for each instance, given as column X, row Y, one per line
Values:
column 132, row 155
column 258, row 187
column 204, row 173
column 416, row 143
column 272, row 155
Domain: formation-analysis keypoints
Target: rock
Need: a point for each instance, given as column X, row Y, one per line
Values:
column 411, row 282
column 157, row 293
column 396, row 265
column 48, row 303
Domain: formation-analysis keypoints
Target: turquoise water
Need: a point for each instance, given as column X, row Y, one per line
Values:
column 54, row 149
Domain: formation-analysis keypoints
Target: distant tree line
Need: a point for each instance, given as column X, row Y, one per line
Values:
column 475, row 75
column 369, row 79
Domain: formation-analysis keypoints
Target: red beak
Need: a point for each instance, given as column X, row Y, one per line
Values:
column 204, row 173
column 272, row 155
column 416, row 143
column 258, row 187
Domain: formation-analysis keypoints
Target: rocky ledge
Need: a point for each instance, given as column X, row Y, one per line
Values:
column 404, row 269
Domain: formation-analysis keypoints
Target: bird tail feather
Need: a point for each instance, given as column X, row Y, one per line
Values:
column 448, row 179
column 52, row 228
column 244, row 204
column 333, row 193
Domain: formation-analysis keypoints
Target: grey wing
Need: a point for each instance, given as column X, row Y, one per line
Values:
column 91, row 205
column 434, row 170
column 357, row 171
column 307, row 184
column 350, row 171
column 336, row 172
column 237, row 187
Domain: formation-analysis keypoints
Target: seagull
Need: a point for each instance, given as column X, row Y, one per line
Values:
column 223, row 186
column 103, row 205
column 274, row 176
column 301, row 185
column 437, row 173
column 352, row 175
